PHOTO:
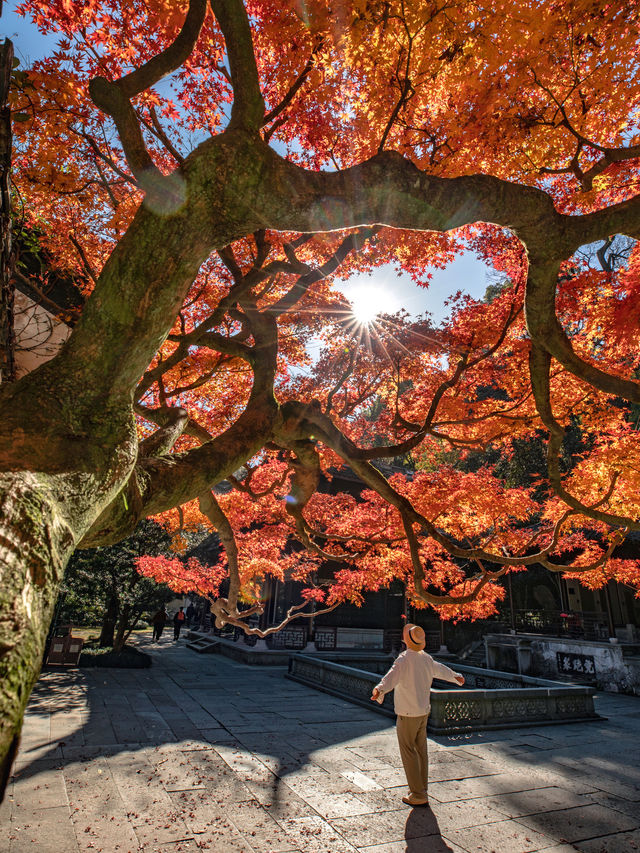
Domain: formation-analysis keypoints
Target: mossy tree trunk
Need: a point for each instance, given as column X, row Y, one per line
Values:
column 68, row 445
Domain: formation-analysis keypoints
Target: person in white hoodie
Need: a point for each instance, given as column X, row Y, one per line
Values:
column 411, row 676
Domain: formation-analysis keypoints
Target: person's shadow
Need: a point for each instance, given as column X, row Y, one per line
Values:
column 422, row 833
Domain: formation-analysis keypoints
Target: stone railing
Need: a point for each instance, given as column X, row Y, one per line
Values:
column 457, row 710
column 495, row 678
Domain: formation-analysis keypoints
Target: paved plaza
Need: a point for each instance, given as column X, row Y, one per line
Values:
column 201, row 753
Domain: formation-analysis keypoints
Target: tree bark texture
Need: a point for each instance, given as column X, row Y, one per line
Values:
column 7, row 338
column 109, row 620
column 121, row 629
column 35, row 545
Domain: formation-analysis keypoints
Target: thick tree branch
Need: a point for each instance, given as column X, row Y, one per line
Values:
column 540, row 364
column 171, row 58
column 210, row 508
column 114, row 98
column 175, row 422
column 229, row 346
column 157, row 416
column 160, row 483
column 248, row 104
column 547, row 333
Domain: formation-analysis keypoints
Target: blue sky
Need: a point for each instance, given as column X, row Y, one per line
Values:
column 466, row 273
column 28, row 43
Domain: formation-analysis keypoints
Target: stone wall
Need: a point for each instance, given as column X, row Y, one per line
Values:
column 607, row 666
column 368, row 661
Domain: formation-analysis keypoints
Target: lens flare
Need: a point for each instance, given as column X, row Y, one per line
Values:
column 368, row 301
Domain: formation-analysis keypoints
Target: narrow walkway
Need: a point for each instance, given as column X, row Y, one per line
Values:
column 200, row 753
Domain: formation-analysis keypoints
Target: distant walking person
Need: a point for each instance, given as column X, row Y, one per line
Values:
column 178, row 622
column 191, row 612
column 158, row 624
column 411, row 676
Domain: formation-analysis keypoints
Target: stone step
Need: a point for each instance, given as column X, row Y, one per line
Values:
column 202, row 646
column 474, row 655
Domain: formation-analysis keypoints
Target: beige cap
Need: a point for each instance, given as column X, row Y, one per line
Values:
column 413, row 637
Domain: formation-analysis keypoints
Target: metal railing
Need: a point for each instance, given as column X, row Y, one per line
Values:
column 585, row 625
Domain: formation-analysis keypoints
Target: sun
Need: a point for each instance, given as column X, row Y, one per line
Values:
column 369, row 300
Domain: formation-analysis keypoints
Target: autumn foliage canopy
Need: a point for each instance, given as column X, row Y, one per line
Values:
column 530, row 112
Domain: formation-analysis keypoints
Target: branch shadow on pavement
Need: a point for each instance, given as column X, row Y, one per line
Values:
column 251, row 716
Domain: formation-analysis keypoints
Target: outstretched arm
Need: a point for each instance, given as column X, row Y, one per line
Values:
column 390, row 680
column 447, row 674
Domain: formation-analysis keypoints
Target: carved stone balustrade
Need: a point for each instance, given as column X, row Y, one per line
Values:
column 503, row 700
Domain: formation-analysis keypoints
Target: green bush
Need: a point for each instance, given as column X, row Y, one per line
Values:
column 128, row 658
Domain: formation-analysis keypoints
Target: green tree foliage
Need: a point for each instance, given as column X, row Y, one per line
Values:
column 102, row 586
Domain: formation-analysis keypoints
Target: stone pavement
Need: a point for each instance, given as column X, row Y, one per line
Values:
column 201, row 753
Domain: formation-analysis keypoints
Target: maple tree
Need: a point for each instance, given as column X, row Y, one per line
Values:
column 208, row 172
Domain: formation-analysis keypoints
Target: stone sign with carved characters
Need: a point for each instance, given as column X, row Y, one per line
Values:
column 577, row 666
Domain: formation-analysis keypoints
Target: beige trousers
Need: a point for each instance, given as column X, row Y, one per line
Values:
column 412, row 740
